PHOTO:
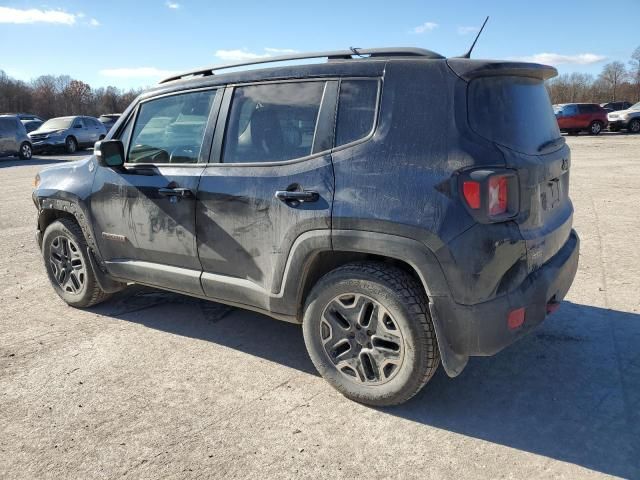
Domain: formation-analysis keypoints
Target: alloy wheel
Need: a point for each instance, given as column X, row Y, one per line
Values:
column 361, row 339
column 67, row 265
column 26, row 152
column 71, row 145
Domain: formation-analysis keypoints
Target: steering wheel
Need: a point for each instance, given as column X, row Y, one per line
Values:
column 184, row 154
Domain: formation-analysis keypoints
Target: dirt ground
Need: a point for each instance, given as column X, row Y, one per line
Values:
column 157, row 385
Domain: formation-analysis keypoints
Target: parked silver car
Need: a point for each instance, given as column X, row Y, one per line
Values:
column 13, row 138
column 628, row 119
column 68, row 133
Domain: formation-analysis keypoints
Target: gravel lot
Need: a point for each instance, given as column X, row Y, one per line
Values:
column 154, row 384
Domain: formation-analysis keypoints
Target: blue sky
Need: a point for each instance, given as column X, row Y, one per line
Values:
column 134, row 43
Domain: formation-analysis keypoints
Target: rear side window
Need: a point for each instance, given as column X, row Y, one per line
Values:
column 6, row 125
column 356, row 110
column 271, row 123
column 170, row 129
column 512, row 111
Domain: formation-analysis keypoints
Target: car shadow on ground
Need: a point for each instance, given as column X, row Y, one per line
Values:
column 569, row 391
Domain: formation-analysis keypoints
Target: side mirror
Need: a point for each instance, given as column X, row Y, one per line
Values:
column 110, row 153
column 77, row 125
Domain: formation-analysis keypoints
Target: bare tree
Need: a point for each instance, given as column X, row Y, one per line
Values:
column 634, row 72
column 613, row 74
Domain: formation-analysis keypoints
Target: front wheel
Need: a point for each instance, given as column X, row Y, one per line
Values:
column 595, row 128
column 634, row 126
column 64, row 250
column 26, row 152
column 369, row 334
column 70, row 145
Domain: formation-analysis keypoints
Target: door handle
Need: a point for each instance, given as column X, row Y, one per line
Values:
column 303, row 196
column 175, row 192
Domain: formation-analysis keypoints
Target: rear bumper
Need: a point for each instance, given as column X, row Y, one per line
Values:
column 482, row 330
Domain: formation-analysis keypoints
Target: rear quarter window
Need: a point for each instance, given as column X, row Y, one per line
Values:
column 356, row 110
column 512, row 111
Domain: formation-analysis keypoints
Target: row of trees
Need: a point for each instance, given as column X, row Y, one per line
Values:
column 50, row 96
column 54, row 96
column 617, row 81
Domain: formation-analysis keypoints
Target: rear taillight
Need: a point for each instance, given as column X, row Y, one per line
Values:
column 471, row 191
column 491, row 195
column 498, row 195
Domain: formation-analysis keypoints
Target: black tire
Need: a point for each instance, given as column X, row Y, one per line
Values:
column 62, row 269
column 634, row 126
column 401, row 301
column 595, row 128
column 26, row 151
column 70, row 145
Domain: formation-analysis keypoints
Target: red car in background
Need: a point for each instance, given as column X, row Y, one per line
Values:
column 574, row 118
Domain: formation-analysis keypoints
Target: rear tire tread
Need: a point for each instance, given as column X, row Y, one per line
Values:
column 415, row 299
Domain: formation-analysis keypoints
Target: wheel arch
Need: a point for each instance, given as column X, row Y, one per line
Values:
column 348, row 246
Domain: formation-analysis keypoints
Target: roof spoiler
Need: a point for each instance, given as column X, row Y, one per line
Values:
column 352, row 53
column 469, row 69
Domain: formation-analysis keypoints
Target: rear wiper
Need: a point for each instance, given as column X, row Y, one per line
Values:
column 556, row 142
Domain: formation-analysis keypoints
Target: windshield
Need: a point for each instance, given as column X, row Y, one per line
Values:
column 513, row 111
column 57, row 123
column 635, row 107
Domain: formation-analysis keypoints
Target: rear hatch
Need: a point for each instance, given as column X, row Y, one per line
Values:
column 508, row 104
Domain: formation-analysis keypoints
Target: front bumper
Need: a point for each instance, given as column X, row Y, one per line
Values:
column 48, row 144
column 617, row 124
column 482, row 330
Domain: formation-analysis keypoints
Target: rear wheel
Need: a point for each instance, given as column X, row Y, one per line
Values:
column 595, row 128
column 368, row 332
column 70, row 145
column 64, row 250
column 26, row 152
column 634, row 125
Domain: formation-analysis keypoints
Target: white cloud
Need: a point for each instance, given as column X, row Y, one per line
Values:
column 560, row 59
column 94, row 23
column 34, row 15
column 172, row 5
column 425, row 27
column 280, row 51
column 242, row 55
column 136, row 72
column 467, row 30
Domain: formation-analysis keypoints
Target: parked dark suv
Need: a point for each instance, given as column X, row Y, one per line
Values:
column 405, row 208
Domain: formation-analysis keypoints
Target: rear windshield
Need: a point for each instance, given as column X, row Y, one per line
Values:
column 512, row 111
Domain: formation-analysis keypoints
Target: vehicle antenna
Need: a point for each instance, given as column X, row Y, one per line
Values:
column 468, row 54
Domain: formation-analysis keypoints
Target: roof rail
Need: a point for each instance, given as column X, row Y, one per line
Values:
column 331, row 55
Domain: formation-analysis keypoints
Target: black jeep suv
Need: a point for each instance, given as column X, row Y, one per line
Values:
column 405, row 208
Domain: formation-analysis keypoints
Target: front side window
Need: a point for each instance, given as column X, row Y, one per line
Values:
column 356, row 110
column 274, row 122
column 170, row 129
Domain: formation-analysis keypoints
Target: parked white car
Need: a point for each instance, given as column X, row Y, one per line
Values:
column 628, row 119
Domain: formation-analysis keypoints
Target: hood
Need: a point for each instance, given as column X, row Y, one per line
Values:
column 47, row 131
column 621, row 113
column 68, row 167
